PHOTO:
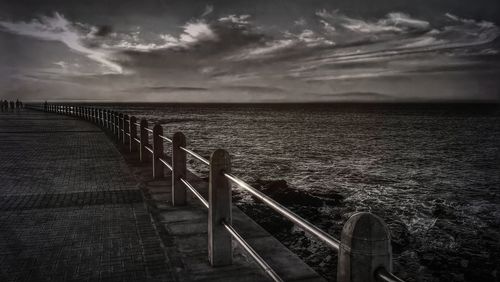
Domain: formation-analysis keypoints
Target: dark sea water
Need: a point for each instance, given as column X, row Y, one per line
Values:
column 431, row 171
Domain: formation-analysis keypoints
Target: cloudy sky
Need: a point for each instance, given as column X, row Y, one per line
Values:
column 250, row 51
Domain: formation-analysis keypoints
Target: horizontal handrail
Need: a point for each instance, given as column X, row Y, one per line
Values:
column 304, row 224
column 195, row 192
column 194, row 154
column 164, row 162
column 165, row 138
column 258, row 259
column 383, row 275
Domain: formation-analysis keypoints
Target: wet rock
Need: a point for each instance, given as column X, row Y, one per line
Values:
column 267, row 218
column 400, row 236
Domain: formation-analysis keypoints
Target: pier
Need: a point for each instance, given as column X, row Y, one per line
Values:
column 92, row 194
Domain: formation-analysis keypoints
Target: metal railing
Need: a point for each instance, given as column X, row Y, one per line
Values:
column 367, row 254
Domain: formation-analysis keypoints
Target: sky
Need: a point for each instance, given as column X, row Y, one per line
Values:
column 250, row 51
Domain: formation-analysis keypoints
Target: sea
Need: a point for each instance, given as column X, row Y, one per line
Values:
column 430, row 171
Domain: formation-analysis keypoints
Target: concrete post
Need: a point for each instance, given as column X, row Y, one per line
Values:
column 157, row 152
column 178, row 169
column 106, row 120
column 125, row 129
column 220, row 251
column 120, row 126
column 133, row 134
column 117, row 123
column 101, row 118
column 109, row 120
column 92, row 115
column 113, row 123
column 143, row 153
column 365, row 247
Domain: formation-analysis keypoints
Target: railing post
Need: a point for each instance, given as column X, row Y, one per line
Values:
column 365, row 247
column 113, row 123
column 157, row 152
column 143, row 154
column 125, row 127
column 108, row 120
column 220, row 251
column 133, row 134
column 178, row 169
column 120, row 126
column 99, row 114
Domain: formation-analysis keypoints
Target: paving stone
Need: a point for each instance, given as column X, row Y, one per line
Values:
column 70, row 210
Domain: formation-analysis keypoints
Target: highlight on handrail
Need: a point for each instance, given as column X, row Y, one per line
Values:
column 304, row 224
column 260, row 261
column 383, row 275
column 165, row 138
column 165, row 163
column 195, row 192
column 197, row 156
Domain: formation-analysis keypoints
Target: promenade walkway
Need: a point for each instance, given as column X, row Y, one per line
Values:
column 75, row 208
column 69, row 207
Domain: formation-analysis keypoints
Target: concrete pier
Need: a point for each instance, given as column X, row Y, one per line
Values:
column 73, row 207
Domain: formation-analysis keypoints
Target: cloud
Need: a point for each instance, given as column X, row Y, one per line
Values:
column 393, row 22
column 58, row 28
column 208, row 10
column 176, row 88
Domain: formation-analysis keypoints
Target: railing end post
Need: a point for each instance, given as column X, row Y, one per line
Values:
column 365, row 247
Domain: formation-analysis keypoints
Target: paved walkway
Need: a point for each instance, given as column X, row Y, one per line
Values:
column 69, row 207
